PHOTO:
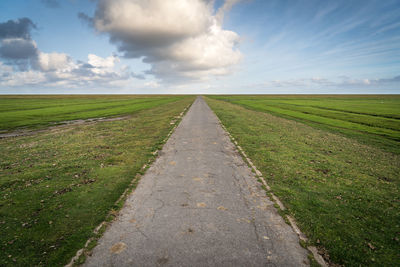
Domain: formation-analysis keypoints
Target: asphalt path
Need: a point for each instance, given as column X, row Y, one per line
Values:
column 199, row 204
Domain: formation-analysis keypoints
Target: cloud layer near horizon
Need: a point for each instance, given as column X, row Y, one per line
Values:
column 24, row 64
column 181, row 39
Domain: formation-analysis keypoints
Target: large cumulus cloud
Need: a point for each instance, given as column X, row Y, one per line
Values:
column 181, row 39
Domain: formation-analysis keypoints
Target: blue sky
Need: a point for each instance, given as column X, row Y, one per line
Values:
column 200, row 46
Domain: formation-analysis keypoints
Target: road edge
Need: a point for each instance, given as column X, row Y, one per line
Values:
column 278, row 204
column 98, row 232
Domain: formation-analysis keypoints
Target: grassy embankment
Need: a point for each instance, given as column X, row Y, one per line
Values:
column 343, row 193
column 58, row 185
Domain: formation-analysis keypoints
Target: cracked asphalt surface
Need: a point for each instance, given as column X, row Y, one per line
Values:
column 199, row 204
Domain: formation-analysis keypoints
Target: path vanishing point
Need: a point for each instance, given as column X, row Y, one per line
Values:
column 199, row 204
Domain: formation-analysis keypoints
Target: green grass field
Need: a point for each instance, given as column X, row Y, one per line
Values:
column 328, row 159
column 40, row 111
column 56, row 186
column 333, row 160
column 373, row 119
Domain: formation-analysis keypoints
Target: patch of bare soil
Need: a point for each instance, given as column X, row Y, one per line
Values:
column 25, row 132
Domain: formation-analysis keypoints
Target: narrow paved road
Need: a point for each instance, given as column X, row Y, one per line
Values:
column 199, row 205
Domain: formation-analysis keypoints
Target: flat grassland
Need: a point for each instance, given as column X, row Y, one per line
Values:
column 372, row 119
column 32, row 112
column 334, row 162
column 58, row 185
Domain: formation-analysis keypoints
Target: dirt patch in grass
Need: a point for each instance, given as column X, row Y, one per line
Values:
column 60, row 125
column 57, row 186
column 37, row 112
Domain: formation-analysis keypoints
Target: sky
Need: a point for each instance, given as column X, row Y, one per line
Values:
column 199, row 47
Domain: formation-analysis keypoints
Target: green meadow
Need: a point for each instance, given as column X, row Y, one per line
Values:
column 372, row 119
column 58, row 185
column 333, row 161
column 38, row 111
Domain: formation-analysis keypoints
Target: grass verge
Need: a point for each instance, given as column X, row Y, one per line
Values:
column 343, row 194
column 57, row 186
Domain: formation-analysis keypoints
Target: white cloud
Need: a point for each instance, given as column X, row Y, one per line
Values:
column 181, row 39
column 25, row 65
column 148, row 19
column 54, row 62
column 100, row 62
column 102, row 65
column 22, row 78
column 59, row 70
